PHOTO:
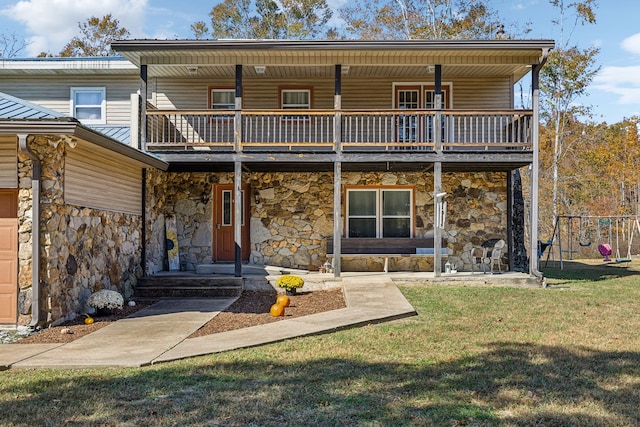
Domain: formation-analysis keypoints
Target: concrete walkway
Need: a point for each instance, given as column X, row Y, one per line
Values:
column 159, row 333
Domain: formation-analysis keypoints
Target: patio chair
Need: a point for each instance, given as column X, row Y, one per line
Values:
column 480, row 258
column 496, row 255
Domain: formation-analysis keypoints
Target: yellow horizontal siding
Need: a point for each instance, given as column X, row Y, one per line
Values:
column 8, row 161
column 100, row 179
column 376, row 93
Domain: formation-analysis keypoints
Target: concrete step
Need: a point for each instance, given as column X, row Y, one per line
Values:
column 188, row 285
column 151, row 292
column 229, row 269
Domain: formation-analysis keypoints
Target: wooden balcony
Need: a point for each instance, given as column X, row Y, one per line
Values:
column 333, row 131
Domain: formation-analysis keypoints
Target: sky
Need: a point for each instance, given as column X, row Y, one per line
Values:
column 47, row 25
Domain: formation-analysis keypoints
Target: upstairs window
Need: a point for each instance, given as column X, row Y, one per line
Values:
column 223, row 99
column 88, row 104
column 295, row 99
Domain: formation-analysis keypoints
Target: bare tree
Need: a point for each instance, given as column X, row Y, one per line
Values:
column 11, row 45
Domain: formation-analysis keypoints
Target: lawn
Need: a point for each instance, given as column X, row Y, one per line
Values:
column 565, row 355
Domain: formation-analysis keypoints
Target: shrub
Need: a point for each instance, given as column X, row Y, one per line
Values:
column 290, row 282
column 105, row 299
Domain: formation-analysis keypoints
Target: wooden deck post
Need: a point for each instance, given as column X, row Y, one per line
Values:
column 237, row 123
column 437, row 232
column 533, row 231
column 337, row 218
column 437, row 174
column 142, row 143
column 337, row 173
column 237, row 176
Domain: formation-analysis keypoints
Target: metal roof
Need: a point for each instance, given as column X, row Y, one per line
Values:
column 20, row 116
column 16, row 108
column 119, row 133
column 109, row 65
column 236, row 44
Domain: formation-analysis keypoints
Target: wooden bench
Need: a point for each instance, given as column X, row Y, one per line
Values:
column 385, row 248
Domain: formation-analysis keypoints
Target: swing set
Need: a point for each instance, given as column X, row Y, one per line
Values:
column 604, row 228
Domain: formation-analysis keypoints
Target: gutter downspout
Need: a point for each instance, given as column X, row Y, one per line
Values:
column 533, row 246
column 35, row 228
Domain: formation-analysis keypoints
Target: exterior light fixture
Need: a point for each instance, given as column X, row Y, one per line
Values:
column 260, row 69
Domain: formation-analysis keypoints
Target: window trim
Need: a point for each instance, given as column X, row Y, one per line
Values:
column 210, row 91
column 380, row 189
column 283, row 89
column 422, row 87
column 91, row 89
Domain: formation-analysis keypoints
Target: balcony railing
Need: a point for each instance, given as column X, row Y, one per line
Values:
column 346, row 129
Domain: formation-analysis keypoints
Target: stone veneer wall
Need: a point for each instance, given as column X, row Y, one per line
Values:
column 83, row 250
column 292, row 216
column 187, row 196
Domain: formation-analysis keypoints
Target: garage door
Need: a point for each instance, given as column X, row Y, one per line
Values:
column 8, row 257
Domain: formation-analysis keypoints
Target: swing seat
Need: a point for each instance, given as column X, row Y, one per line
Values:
column 621, row 260
column 542, row 246
column 604, row 249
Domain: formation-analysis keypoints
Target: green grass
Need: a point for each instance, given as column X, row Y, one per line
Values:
column 474, row 356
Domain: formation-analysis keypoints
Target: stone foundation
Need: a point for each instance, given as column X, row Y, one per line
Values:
column 83, row 250
column 292, row 216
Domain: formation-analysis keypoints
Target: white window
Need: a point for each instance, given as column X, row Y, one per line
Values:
column 223, row 99
column 88, row 104
column 379, row 212
column 295, row 99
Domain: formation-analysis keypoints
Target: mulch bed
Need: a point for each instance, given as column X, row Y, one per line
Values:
column 251, row 309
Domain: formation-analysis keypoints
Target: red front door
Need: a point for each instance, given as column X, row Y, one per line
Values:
column 8, row 256
column 223, row 222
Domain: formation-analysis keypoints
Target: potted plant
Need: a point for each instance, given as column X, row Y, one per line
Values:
column 290, row 283
column 454, row 268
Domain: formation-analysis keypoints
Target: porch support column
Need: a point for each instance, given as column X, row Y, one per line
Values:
column 437, row 122
column 337, row 172
column 237, row 216
column 237, row 123
column 510, row 222
column 337, row 218
column 533, row 232
column 437, row 215
column 143, row 107
column 337, row 107
column 437, row 175
column 237, row 176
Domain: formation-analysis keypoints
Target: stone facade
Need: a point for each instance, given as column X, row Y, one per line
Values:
column 82, row 251
column 187, row 196
column 292, row 216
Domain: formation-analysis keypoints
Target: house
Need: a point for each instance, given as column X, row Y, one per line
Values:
column 335, row 149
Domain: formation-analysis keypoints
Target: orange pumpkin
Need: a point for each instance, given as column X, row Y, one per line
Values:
column 283, row 300
column 88, row 320
column 277, row 310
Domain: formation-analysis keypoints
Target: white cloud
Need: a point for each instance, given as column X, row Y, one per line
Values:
column 632, row 44
column 50, row 24
column 621, row 81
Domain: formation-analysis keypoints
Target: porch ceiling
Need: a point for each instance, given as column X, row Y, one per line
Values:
column 365, row 59
column 327, row 71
